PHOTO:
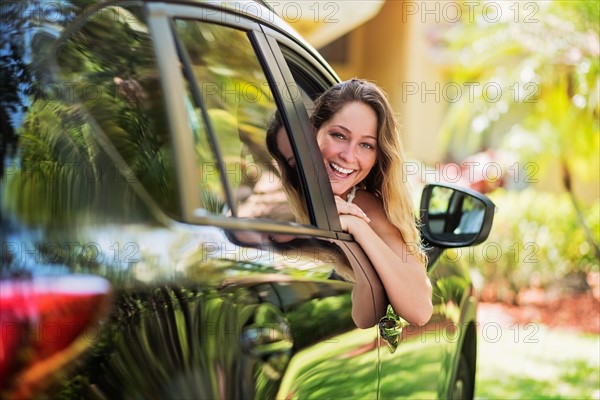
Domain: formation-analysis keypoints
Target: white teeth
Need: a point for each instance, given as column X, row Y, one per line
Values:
column 340, row 169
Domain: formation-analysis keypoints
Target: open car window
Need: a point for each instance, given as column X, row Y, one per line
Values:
column 242, row 151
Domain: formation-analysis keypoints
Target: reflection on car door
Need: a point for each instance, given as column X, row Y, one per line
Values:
column 232, row 102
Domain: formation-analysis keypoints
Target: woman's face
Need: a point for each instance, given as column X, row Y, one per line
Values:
column 348, row 143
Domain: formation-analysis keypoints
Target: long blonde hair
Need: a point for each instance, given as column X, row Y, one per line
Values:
column 386, row 179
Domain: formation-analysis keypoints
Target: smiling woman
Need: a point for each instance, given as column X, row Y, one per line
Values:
column 348, row 142
column 363, row 156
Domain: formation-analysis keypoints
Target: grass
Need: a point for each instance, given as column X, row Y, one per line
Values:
column 532, row 361
column 518, row 361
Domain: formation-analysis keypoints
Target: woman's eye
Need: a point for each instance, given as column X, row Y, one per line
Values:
column 337, row 135
column 368, row 146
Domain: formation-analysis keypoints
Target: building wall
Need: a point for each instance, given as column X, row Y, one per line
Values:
column 392, row 50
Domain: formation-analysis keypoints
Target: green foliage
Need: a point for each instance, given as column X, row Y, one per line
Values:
column 186, row 340
column 81, row 147
column 238, row 105
column 541, row 107
column 536, row 240
column 535, row 86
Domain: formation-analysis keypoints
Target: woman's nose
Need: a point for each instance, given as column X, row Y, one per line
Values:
column 348, row 153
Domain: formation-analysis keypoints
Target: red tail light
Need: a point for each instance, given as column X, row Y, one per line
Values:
column 45, row 323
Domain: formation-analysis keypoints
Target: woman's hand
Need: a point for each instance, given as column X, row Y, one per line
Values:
column 351, row 223
column 345, row 208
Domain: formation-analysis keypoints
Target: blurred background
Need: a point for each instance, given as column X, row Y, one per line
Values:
column 503, row 97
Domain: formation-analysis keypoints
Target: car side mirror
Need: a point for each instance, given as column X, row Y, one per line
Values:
column 454, row 216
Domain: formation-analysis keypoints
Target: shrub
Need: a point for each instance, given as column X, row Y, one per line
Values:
column 536, row 241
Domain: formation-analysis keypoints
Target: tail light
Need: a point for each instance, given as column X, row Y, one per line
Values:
column 45, row 324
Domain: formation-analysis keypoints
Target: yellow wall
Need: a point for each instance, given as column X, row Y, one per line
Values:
column 391, row 50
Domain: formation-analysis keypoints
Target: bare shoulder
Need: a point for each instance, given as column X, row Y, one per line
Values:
column 381, row 225
column 372, row 206
column 367, row 201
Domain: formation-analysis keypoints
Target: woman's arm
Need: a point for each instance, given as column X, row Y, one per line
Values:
column 403, row 276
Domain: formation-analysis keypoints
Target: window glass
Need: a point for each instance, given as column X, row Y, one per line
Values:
column 310, row 82
column 111, row 72
column 234, row 100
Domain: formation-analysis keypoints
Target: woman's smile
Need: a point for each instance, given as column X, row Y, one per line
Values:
column 340, row 171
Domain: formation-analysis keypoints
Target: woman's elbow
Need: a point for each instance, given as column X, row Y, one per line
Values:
column 423, row 315
column 424, row 309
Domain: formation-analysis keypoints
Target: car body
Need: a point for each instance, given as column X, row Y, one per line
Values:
column 148, row 248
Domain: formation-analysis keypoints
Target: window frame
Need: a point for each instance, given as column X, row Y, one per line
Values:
column 160, row 17
column 314, row 70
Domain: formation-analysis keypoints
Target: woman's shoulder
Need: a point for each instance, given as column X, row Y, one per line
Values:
column 368, row 201
column 372, row 205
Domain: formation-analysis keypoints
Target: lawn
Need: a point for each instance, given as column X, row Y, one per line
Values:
column 515, row 360
column 531, row 361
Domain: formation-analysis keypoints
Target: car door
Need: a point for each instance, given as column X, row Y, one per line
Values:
column 161, row 184
column 308, row 75
column 318, row 313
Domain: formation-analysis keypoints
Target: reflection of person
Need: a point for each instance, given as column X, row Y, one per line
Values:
column 280, row 148
column 363, row 156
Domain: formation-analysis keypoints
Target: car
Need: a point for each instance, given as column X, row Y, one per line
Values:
column 148, row 248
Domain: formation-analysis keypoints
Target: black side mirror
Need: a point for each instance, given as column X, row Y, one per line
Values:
column 454, row 216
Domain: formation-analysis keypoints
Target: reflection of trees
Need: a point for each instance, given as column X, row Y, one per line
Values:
column 314, row 320
column 20, row 75
column 14, row 73
column 238, row 102
column 79, row 128
column 450, row 280
column 182, row 343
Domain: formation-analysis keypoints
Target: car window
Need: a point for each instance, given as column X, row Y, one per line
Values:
column 112, row 95
column 231, row 107
column 310, row 82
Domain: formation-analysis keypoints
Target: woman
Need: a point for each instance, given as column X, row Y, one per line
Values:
column 357, row 134
column 363, row 156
